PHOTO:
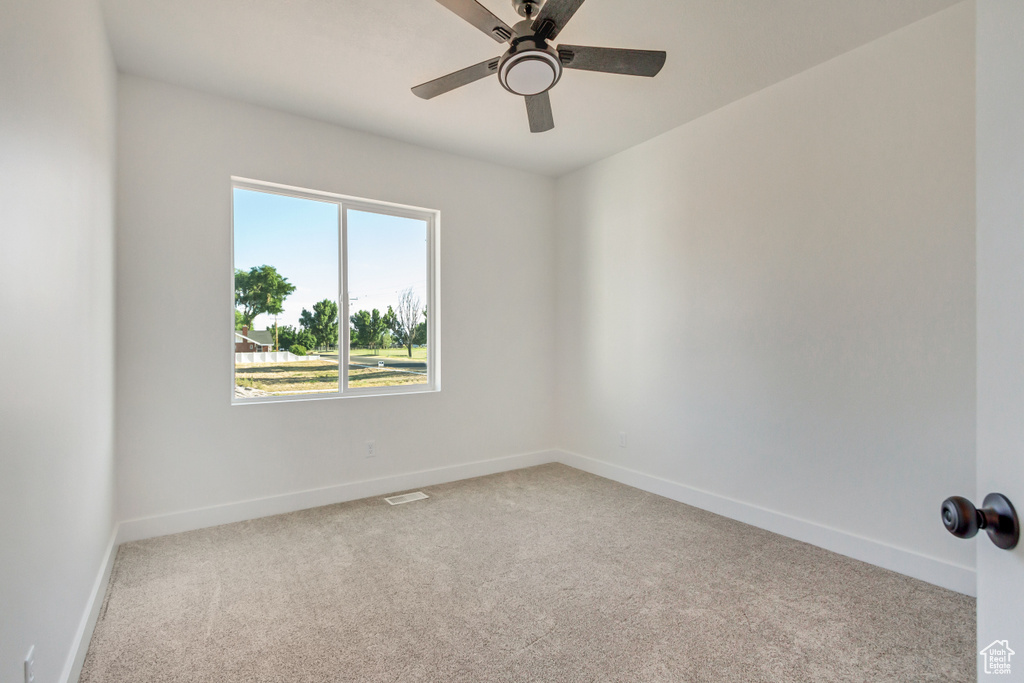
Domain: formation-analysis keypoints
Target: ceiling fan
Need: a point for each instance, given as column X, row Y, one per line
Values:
column 531, row 67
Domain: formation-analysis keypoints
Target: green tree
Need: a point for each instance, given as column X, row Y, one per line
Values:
column 419, row 336
column 239, row 320
column 322, row 323
column 286, row 336
column 260, row 290
column 306, row 338
column 370, row 327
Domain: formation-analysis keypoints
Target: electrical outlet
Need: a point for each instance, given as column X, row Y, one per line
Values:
column 371, row 449
column 30, row 665
column 622, row 439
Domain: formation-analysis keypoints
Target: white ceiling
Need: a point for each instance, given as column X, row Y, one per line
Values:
column 352, row 62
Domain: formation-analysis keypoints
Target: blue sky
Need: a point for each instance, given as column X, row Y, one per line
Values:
column 386, row 256
column 299, row 237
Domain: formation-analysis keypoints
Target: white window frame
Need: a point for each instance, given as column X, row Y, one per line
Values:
column 432, row 217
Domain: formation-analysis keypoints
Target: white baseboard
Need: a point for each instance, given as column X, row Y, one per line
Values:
column 149, row 527
column 932, row 570
column 189, row 520
column 80, row 645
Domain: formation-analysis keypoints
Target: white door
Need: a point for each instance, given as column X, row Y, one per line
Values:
column 1000, row 252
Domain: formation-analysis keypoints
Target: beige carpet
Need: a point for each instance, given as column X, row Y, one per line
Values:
column 544, row 574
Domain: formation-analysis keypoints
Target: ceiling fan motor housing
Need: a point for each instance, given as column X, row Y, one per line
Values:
column 530, row 67
column 527, row 8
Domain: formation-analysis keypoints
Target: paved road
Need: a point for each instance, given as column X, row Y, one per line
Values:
column 392, row 363
column 396, row 362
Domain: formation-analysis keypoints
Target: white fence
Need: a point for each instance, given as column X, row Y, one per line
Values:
column 272, row 357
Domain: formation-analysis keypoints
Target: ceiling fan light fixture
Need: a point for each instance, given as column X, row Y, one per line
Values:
column 531, row 66
column 529, row 72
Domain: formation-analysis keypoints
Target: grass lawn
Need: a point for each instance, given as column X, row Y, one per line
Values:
column 373, row 377
column 418, row 353
column 371, row 356
column 316, row 376
column 310, row 376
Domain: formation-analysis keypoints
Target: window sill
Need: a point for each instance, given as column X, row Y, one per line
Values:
column 351, row 393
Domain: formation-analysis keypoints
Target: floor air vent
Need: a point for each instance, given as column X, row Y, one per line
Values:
column 406, row 498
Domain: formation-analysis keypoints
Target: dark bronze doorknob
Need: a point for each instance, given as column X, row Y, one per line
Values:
column 997, row 517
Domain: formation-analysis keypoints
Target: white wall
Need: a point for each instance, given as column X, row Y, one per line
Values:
column 57, row 107
column 181, row 444
column 1000, row 143
column 776, row 301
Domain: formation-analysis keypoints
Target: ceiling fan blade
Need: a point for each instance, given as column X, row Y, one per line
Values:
column 612, row 60
column 553, row 17
column 441, row 85
column 481, row 17
column 538, row 108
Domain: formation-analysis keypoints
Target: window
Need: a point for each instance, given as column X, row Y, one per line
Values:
column 333, row 296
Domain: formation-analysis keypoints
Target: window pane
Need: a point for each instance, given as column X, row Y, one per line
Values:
column 387, row 280
column 286, row 295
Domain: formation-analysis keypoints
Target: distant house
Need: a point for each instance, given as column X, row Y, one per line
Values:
column 253, row 342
